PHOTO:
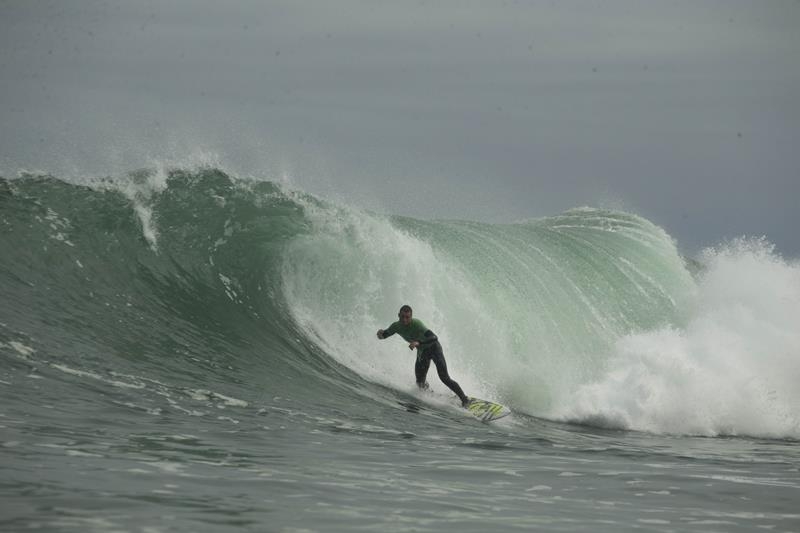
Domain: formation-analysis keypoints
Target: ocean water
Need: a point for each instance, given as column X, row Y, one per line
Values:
column 185, row 350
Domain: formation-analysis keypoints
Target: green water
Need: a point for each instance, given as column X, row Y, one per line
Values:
column 194, row 352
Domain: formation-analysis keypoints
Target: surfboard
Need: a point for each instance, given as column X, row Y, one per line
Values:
column 487, row 411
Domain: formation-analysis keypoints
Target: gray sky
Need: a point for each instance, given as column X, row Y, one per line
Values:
column 686, row 112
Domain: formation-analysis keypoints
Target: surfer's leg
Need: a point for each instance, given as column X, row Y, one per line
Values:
column 421, row 370
column 441, row 369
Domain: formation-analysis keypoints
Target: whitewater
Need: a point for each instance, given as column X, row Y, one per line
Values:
column 183, row 349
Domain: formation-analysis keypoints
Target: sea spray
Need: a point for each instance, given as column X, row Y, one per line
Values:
column 732, row 369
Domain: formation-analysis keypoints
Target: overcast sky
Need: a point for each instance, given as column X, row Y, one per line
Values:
column 686, row 112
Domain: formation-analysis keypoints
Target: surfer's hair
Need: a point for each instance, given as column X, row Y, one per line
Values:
column 406, row 309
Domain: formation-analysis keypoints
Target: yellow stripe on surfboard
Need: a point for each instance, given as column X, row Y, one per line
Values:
column 486, row 410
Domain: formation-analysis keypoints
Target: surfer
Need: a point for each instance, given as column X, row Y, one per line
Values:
column 428, row 349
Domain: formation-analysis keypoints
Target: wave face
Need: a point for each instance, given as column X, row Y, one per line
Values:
column 590, row 316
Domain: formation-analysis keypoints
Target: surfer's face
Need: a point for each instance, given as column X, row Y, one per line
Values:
column 405, row 317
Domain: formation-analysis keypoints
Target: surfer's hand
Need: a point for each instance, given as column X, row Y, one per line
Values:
column 413, row 345
column 380, row 333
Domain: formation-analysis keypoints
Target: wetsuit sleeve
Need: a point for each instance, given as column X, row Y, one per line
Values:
column 430, row 338
column 388, row 332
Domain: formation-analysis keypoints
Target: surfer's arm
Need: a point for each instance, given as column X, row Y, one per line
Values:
column 385, row 333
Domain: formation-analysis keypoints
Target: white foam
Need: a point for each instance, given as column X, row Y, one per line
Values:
column 79, row 453
column 92, row 375
column 733, row 369
column 167, row 466
column 231, row 287
column 203, row 394
column 22, row 349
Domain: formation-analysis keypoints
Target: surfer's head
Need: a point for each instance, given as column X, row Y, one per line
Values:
column 405, row 315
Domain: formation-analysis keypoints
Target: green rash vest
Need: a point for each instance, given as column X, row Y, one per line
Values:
column 414, row 331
